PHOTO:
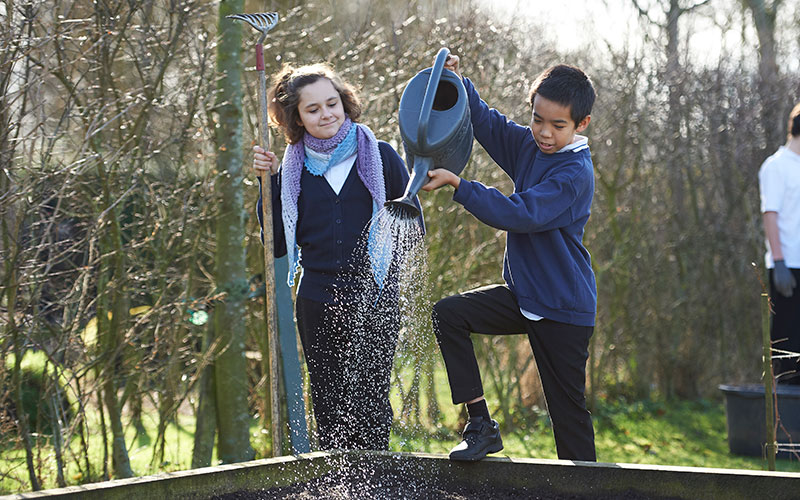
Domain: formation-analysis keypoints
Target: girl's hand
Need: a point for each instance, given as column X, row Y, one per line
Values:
column 264, row 161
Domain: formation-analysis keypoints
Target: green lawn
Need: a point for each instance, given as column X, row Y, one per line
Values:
column 177, row 456
column 685, row 433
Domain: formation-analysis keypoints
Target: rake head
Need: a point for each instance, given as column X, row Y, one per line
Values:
column 262, row 22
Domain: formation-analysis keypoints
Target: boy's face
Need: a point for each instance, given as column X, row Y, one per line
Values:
column 552, row 125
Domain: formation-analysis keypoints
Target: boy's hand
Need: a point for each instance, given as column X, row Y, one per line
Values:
column 452, row 64
column 264, row 161
column 439, row 177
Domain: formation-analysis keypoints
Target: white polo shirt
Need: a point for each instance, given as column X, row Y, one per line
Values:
column 779, row 184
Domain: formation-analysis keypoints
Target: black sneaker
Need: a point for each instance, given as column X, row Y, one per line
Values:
column 481, row 436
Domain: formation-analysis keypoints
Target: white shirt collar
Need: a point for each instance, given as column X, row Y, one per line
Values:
column 581, row 143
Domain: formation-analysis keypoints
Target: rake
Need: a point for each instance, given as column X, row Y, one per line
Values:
column 263, row 23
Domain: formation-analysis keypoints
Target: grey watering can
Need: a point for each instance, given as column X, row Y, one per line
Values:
column 435, row 126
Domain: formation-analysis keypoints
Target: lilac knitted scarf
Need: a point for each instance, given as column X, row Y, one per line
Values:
column 370, row 170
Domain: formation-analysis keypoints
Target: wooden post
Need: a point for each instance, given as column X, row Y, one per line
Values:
column 771, row 445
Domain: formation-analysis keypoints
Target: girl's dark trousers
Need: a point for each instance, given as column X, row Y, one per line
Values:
column 785, row 330
column 560, row 350
column 349, row 352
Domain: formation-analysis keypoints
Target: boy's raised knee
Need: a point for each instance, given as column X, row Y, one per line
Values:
column 444, row 309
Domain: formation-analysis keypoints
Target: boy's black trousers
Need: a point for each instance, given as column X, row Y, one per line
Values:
column 560, row 350
column 785, row 330
column 349, row 351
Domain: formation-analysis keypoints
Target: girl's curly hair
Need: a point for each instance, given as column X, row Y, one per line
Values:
column 284, row 97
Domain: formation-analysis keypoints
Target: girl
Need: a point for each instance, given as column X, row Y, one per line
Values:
column 334, row 177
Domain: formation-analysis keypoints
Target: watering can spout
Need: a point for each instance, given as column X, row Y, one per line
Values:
column 405, row 207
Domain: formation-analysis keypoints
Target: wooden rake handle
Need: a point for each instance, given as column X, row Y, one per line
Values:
column 263, row 23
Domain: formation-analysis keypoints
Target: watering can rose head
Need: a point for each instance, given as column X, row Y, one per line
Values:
column 311, row 99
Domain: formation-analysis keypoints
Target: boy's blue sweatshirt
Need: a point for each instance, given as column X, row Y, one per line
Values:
column 545, row 265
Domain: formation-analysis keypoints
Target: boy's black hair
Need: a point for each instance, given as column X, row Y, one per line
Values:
column 794, row 121
column 567, row 86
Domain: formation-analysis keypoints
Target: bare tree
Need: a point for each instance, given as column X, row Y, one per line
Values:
column 773, row 104
column 15, row 85
column 233, row 417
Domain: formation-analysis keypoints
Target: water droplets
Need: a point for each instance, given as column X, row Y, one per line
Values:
column 381, row 318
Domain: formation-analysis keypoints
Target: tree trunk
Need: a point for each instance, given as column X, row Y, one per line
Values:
column 56, row 420
column 112, row 298
column 769, row 87
column 230, row 367
column 10, row 235
column 206, row 423
column 22, row 417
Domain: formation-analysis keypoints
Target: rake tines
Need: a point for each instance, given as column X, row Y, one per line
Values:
column 262, row 22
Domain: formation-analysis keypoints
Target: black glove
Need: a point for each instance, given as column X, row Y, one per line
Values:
column 783, row 279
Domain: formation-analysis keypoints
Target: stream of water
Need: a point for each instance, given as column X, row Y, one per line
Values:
column 383, row 327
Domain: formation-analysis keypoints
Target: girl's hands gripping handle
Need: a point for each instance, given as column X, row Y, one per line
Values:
column 264, row 161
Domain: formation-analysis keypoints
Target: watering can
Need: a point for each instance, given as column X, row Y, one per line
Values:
column 435, row 126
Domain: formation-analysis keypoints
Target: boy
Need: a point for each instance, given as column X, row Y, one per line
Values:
column 549, row 291
column 779, row 180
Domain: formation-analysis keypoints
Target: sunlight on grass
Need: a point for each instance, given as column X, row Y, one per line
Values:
column 177, row 455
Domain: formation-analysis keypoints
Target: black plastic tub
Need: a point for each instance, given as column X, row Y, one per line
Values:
column 745, row 411
column 382, row 475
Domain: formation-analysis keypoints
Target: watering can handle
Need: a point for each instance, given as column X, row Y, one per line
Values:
column 427, row 101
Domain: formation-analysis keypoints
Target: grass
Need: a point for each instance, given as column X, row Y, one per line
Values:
column 177, row 455
column 683, row 433
column 687, row 433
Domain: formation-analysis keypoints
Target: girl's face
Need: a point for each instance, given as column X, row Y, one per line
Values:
column 320, row 108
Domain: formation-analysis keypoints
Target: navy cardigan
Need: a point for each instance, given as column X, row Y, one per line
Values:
column 329, row 226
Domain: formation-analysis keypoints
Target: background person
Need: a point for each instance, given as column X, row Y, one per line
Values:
column 779, row 182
